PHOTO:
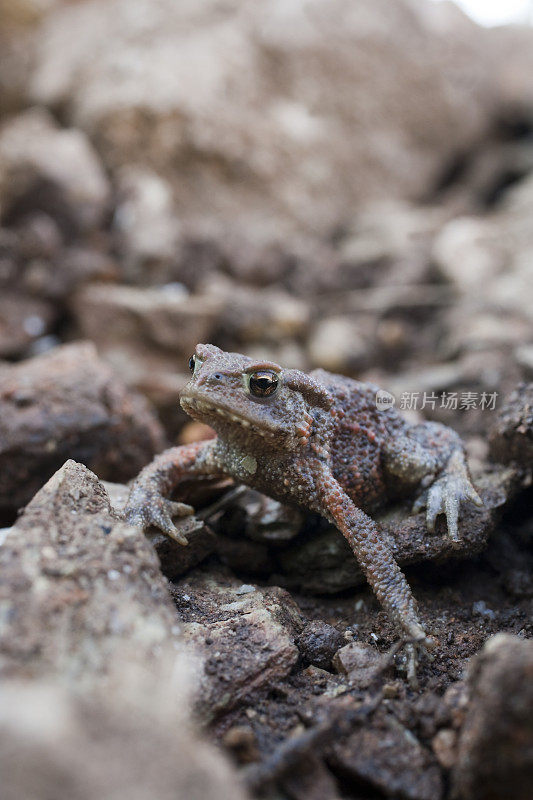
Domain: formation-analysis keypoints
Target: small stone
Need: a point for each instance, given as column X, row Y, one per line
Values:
column 242, row 741
column 246, row 588
column 318, row 642
column 37, row 154
column 360, row 662
column 443, row 745
column 338, row 345
column 480, row 609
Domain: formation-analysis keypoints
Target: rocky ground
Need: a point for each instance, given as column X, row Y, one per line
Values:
column 345, row 185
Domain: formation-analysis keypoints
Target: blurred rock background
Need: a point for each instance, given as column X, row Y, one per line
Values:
column 337, row 184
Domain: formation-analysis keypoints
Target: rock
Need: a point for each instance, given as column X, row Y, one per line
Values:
column 67, row 403
column 320, row 560
column 488, row 260
column 79, row 586
column 360, row 662
column 44, row 165
column 23, row 320
column 318, row 642
column 258, row 517
column 94, row 692
column 524, row 358
column 243, row 637
column 444, row 745
column 462, row 255
column 133, row 740
column 496, row 742
column 211, row 101
column 387, row 757
column 338, row 345
column 147, row 334
column 19, row 18
column 39, row 262
column 145, row 219
column 511, row 435
column 248, row 317
column 511, row 46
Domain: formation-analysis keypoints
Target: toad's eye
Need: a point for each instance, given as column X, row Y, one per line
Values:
column 194, row 362
column 263, row 383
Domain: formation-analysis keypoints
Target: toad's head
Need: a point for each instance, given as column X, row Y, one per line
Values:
column 254, row 402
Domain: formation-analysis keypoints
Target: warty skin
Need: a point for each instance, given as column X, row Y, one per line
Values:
column 317, row 441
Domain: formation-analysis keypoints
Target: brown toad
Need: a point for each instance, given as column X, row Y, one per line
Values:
column 318, row 441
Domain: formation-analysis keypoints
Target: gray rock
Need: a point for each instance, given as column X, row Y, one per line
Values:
column 496, row 742
column 95, row 684
column 318, row 643
column 78, row 585
column 242, row 641
column 133, row 740
column 254, row 152
column 37, row 156
column 68, row 404
column 390, row 759
column 361, row 663
column 511, row 435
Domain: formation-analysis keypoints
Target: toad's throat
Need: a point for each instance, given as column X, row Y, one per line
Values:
column 201, row 409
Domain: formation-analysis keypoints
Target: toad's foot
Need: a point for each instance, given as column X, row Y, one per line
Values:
column 412, row 652
column 150, row 508
column 413, row 646
column 445, row 495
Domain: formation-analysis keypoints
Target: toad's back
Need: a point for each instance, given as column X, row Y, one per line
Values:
column 358, row 439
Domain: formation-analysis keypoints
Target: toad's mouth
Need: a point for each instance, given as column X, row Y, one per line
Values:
column 201, row 409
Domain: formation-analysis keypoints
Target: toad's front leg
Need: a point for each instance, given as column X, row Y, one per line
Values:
column 147, row 504
column 374, row 557
column 432, row 456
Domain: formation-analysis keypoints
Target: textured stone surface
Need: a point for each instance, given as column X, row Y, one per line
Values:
column 94, row 700
column 496, row 741
column 243, row 637
column 68, row 404
column 388, row 757
column 360, row 663
column 135, row 741
column 250, row 109
column 511, row 436
column 318, row 643
column 79, row 586
column 39, row 159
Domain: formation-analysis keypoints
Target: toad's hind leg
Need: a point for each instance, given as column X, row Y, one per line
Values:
column 375, row 559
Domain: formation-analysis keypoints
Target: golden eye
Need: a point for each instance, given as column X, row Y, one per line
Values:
column 263, row 383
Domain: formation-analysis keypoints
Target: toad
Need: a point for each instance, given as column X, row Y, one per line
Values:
column 319, row 441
